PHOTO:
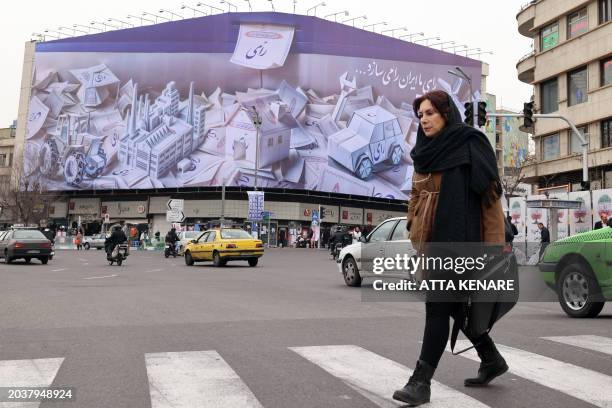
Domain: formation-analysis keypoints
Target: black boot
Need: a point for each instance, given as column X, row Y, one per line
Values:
column 492, row 363
column 418, row 389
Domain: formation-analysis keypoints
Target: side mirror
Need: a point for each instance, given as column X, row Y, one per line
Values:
column 194, row 241
column 363, row 239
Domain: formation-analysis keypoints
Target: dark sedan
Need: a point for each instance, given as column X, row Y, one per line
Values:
column 25, row 244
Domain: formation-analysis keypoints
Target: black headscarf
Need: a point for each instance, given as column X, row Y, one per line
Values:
column 469, row 175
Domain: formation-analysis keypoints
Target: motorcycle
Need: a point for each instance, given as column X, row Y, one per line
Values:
column 301, row 242
column 335, row 252
column 170, row 249
column 119, row 254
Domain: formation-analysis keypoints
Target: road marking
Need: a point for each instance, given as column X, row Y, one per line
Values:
column 82, row 259
column 594, row 343
column 154, row 270
column 58, row 270
column 376, row 377
column 28, row 373
column 195, row 379
column 101, row 277
column 578, row 382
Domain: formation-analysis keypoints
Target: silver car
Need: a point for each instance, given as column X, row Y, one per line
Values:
column 94, row 241
column 387, row 240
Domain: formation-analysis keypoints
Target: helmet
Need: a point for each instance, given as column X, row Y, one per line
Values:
column 173, row 230
column 339, row 228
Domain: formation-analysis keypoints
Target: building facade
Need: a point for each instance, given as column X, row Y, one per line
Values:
column 7, row 146
column 570, row 69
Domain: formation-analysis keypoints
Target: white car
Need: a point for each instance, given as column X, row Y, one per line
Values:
column 185, row 237
column 94, row 241
column 388, row 239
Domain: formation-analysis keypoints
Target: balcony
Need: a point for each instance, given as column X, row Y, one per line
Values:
column 526, row 68
column 526, row 18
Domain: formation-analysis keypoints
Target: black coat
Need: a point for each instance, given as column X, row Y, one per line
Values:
column 599, row 224
column 545, row 235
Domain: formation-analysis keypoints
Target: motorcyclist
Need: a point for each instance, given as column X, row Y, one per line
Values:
column 341, row 236
column 172, row 238
column 117, row 237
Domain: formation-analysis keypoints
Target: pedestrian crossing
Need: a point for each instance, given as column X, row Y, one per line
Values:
column 204, row 379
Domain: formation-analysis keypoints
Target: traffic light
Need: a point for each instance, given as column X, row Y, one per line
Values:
column 585, row 185
column 469, row 113
column 528, row 114
column 321, row 212
column 482, row 113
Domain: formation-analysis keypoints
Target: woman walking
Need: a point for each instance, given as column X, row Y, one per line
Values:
column 455, row 198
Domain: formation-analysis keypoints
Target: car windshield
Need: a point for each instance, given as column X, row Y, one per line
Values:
column 28, row 234
column 235, row 234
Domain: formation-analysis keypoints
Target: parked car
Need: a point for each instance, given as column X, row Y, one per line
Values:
column 579, row 269
column 387, row 240
column 372, row 136
column 223, row 245
column 186, row 237
column 94, row 241
column 25, row 243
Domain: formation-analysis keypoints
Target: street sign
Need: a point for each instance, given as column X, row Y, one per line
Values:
column 256, row 205
column 175, row 216
column 315, row 218
column 176, row 204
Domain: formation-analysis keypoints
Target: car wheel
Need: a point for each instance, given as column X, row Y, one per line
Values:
column 119, row 262
column 396, row 156
column 44, row 261
column 578, row 291
column 86, row 246
column 188, row 259
column 253, row 261
column 217, row 261
column 364, row 170
column 351, row 272
column 7, row 259
column 27, row 260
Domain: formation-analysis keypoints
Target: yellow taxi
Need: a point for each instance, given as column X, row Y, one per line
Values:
column 222, row 245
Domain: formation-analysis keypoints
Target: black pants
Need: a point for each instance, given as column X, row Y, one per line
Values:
column 437, row 330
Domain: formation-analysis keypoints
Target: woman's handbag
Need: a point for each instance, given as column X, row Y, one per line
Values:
column 485, row 307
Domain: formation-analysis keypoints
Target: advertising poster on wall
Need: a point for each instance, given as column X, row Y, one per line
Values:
column 518, row 212
column 581, row 219
column 562, row 216
column 602, row 204
column 535, row 216
column 117, row 111
column 515, row 142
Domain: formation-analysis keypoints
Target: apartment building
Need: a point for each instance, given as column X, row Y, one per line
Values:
column 570, row 69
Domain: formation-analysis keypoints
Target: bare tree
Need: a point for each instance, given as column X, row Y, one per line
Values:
column 25, row 196
column 513, row 177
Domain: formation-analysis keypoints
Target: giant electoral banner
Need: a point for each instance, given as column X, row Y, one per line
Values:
column 316, row 105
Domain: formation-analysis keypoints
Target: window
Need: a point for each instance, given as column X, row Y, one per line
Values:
column 2, row 160
column 550, row 147
column 550, row 36
column 606, row 133
column 577, row 86
column 382, row 232
column 10, row 163
column 280, row 139
column 605, row 11
column 28, row 234
column 606, row 71
column 211, row 237
column 400, row 232
column 549, row 95
column 575, row 143
column 577, row 23
column 270, row 142
column 202, row 238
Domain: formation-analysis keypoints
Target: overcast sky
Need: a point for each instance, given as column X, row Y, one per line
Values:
column 478, row 23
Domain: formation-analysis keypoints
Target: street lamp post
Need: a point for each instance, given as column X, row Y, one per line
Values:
column 335, row 15
column 461, row 74
column 427, row 40
column 121, row 22
column 141, row 19
column 374, row 25
column 251, row 8
column 156, row 16
column 352, row 20
column 321, row 4
column 211, row 7
column 442, row 43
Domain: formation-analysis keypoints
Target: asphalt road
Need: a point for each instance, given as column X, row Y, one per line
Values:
column 287, row 333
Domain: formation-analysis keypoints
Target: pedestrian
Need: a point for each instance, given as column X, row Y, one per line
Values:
column 457, row 189
column 309, row 236
column 604, row 221
column 356, row 235
column 79, row 240
column 281, row 238
column 544, row 238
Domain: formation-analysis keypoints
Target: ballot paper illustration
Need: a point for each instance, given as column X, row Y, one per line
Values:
column 95, row 82
column 262, row 46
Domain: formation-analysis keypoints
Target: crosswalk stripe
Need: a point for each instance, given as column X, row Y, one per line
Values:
column 195, row 379
column 376, row 377
column 589, row 342
column 28, row 373
column 578, row 382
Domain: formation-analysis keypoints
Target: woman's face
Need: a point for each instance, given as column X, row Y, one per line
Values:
column 432, row 121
